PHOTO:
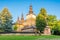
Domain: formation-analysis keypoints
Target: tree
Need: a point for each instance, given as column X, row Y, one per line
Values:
column 41, row 20
column 58, row 25
column 6, row 20
column 52, row 20
column 0, row 24
column 57, row 28
column 15, row 27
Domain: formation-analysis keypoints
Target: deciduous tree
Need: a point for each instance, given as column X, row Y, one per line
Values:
column 40, row 20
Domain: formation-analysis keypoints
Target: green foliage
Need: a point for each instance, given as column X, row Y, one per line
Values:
column 58, row 25
column 6, row 20
column 15, row 27
column 40, row 20
column 0, row 24
column 43, row 12
column 52, row 20
column 57, row 28
column 54, row 24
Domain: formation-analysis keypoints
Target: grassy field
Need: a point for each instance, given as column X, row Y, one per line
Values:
column 16, row 37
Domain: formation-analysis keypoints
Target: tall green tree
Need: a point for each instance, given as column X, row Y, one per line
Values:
column 41, row 20
column 57, row 28
column 6, row 18
column 52, row 20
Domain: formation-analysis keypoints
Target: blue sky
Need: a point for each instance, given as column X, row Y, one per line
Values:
column 17, row 7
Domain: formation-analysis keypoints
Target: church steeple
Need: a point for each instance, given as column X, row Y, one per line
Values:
column 18, row 20
column 30, row 10
column 22, row 17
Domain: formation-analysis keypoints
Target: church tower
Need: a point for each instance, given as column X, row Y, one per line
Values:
column 31, row 17
column 30, row 10
column 18, row 20
column 28, row 23
column 22, row 19
column 20, row 23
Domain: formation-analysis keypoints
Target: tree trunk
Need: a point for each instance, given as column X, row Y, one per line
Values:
column 39, row 33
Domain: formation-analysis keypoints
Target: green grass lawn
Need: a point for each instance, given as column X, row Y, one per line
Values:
column 16, row 37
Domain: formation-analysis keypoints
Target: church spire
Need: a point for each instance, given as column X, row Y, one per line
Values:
column 22, row 17
column 18, row 20
column 30, row 10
